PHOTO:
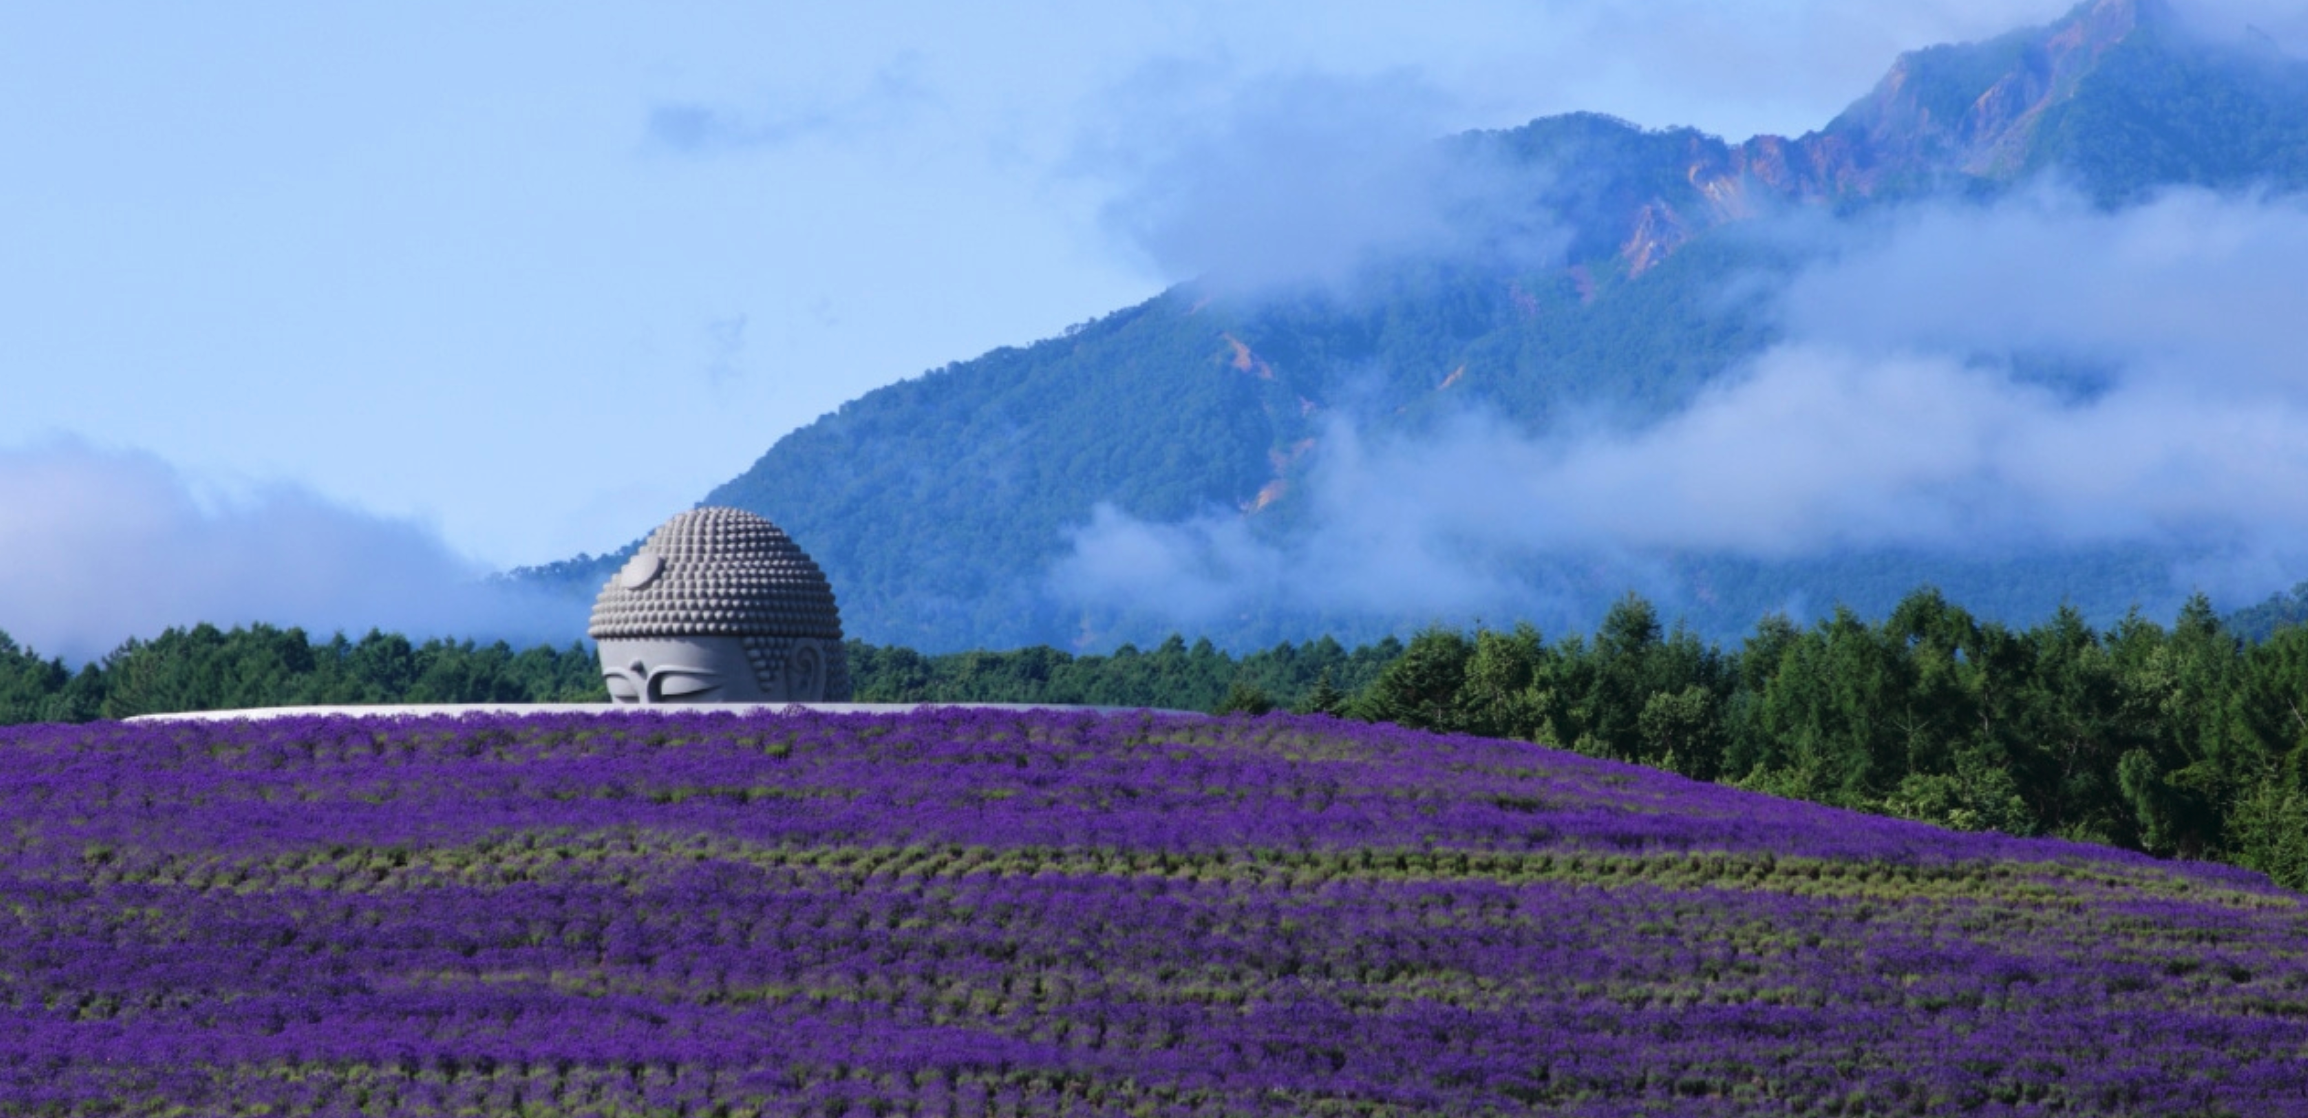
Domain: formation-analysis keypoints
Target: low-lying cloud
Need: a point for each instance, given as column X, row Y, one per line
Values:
column 1292, row 183
column 1908, row 409
column 2195, row 286
column 102, row 546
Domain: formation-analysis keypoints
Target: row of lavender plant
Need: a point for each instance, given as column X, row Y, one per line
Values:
column 978, row 912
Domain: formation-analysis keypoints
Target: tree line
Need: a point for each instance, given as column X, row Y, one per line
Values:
column 2185, row 740
column 206, row 668
column 2181, row 741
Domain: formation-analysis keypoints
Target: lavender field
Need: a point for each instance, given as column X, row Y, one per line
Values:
column 979, row 912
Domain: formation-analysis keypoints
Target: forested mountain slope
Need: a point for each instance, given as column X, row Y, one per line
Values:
column 938, row 505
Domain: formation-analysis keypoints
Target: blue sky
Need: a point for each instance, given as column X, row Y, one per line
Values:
column 510, row 281
column 535, row 275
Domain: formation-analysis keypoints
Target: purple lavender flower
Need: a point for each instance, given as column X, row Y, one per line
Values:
column 1044, row 912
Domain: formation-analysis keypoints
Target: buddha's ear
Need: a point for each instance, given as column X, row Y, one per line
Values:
column 805, row 672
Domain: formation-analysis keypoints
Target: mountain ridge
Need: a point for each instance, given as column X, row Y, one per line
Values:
column 939, row 504
column 1965, row 118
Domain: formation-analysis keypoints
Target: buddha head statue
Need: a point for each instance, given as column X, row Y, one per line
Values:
column 718, row 605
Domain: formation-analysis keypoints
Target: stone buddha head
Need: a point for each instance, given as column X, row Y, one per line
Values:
column 718, row 605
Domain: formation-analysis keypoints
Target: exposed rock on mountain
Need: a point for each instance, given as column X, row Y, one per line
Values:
column 939, row 505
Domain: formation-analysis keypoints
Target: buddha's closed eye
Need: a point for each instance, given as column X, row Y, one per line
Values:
column 678, row 683
column 637, row 682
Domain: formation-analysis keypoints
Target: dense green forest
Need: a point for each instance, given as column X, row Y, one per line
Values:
column 2181, row 741
column 206, row 668
column 2186, row 740
column 1172, row 676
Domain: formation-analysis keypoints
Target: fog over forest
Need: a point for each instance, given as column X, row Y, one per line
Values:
column 1891, row 414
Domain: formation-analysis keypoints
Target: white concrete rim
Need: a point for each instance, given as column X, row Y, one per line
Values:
column 454, row 710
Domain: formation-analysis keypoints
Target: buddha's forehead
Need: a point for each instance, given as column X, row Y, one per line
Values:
column 660, row 652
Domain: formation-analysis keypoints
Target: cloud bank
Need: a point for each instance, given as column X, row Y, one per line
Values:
column 2001, row 381
column 1288, row 183
column 104, row 546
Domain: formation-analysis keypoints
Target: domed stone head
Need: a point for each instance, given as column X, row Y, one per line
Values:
column 719, row 605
